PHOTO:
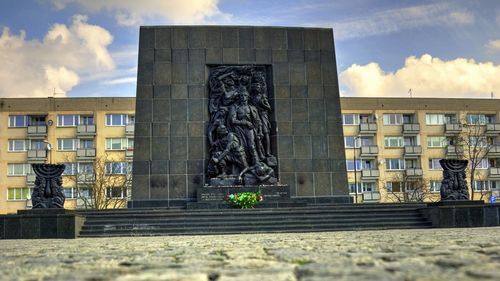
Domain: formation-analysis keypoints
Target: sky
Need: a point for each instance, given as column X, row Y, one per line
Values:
column 383, row 47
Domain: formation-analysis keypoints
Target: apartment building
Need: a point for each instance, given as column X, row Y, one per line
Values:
column 73, row 131
column 393, row 145
column 390, row 143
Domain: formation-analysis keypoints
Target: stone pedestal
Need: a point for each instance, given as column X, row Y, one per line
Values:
column 218, row 194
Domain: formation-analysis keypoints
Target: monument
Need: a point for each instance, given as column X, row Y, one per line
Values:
column 248, row 108
column 454, row 183
column 47, row 192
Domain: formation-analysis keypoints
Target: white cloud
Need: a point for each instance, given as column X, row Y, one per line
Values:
column 133, row 12
column 426, row 76
column 493, row 45
column 394, row 20
column 66, row 53
column 123, row 80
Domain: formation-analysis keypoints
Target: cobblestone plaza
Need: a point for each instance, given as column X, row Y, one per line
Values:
column 431, row 254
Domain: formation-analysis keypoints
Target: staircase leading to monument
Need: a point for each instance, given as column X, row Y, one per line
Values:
column 156, row 222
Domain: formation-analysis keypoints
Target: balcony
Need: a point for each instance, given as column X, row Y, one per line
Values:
column 414, row 172
column 494, row 173
column 369, row 151
column 30, row 179
column 411, row 129
column 37, row 155
column 492, row 129
column 129, row 154
column 413, row 151
column 85, row 130
column 451, row 151
column 371, row 196
column 452, row 129
column 37, row 131
column 87, row 153
column 494, row 151
column 129, row 130
column 370, row 175
column 367, row 129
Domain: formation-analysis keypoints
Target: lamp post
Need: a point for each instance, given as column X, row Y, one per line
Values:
column 48, row 147
column 355, row 171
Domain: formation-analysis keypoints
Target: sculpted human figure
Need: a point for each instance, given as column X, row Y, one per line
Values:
column 228, row 153
column 259, row 93
column 243, row 119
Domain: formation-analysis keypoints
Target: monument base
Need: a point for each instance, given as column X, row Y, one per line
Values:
column 217, row 194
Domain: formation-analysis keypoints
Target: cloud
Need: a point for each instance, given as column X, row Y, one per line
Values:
column 426, row 76
column 124, row 80
column 133, row 12
column 66, row 53
column 394, row 20
column 493, row 45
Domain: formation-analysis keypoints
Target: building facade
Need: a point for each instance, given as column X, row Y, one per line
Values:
column 393, row 145
column 78, row 131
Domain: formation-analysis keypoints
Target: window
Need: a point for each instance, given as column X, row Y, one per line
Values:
column 67, row 144
column 116, row 192
column 16, row 121
column 435, row 186
column 350, row 119
column 393, row 142
column 70, row 169
column 119, row 119
column 69, row 192
column 480, row 119
column 366, row 118
column 85, row 168
column 369, row 187
column 130, row 143
column 350, row 165
column 17, row 145
column 393, row 119
column 18, row 169
column 436, row 141
column 410, row 141
column 434, row 164
column 434, row 119
column 19, row 193
column 352, row 142
column 481, row 141
column 352, row 188
column 481, row 186
column 117, row 144
column 86, row 120
column 86, row 143
column 117, row 168
column 394, row 186
column 36, row 120
column 482, row 164
column 395, row 164
column 450, row 119
column 67, row 120
column 412, row 163
column 409, row 119
column 38, row 145
column 495, row 185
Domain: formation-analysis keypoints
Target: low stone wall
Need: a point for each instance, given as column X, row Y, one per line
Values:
column 41, row 224
column 456, row 215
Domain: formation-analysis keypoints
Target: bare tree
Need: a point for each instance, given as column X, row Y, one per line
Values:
column 408, row 189
column 473, row 145
column 101, row 184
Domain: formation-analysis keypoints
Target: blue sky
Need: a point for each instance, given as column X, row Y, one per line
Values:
column 384, row 48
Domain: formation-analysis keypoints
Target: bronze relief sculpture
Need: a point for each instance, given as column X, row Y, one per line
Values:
column 239, row 128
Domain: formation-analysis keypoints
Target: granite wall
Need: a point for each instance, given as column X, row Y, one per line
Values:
column 171, row 107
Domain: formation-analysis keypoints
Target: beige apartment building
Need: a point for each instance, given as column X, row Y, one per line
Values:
column 78, row 131
column 396, row 142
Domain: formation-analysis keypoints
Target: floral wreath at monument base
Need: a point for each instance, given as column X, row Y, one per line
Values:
column 244, row 200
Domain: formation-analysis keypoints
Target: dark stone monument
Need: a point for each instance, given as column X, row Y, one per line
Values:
column 48, row 191
column 237, row 106
column 454, row 184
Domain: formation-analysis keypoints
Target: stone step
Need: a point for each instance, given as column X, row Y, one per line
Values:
column 229, row 218
column 230, row 223
column 237, row 212
column 149, row 231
